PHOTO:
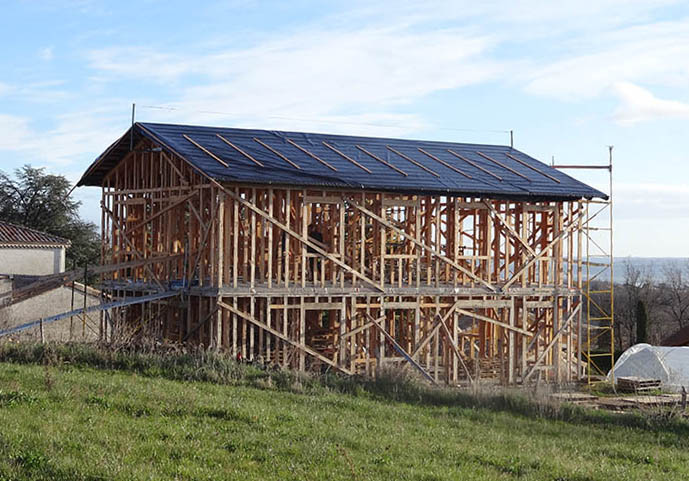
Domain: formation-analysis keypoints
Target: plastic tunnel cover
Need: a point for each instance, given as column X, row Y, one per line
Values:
column 668, row 364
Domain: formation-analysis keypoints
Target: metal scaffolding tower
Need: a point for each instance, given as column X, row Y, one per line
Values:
column 599, row 286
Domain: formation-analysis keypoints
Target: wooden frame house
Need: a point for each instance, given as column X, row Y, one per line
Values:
column 322, row 252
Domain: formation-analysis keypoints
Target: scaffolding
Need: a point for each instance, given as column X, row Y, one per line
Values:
column 599, row 349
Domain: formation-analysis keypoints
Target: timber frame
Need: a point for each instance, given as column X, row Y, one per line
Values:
column 457, row 288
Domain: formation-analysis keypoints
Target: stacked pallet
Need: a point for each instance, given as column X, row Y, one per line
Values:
column 637, row 384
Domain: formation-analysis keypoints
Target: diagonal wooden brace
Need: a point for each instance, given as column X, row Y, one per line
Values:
column 420, row 244
column 401, row 350
column 283, row 337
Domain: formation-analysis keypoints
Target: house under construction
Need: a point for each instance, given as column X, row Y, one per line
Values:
column 351, row 253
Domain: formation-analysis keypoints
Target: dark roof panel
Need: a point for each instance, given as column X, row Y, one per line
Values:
column 324, row 160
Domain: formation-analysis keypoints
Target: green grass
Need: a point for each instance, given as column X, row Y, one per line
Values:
column 145, row 416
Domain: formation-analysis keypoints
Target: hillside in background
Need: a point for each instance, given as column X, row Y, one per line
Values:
column 651, row 265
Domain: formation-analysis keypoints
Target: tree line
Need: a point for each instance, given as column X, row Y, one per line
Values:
column 38, row 200
column 651, row 302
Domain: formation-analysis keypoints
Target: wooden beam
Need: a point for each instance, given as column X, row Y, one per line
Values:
column 441, row 161
column 416, row 163
column 240, row 150
column 536, row 169
column 552, row 343
column 312, row 155
column 205, row 150
column 401, row 351
column 279, row 335
column 506, row 167
column 478, row 166
column 382, row 161
column 495, row 321
column 345, row 156
column 405, row 235
column 277, row 153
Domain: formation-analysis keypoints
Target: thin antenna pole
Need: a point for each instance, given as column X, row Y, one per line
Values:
column 511, row 139
column 131, row 131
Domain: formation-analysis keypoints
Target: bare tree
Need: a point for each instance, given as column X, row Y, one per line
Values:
column 675, row 292
column 637, row 286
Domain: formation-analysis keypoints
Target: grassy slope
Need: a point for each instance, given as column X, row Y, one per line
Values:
column 83, row 423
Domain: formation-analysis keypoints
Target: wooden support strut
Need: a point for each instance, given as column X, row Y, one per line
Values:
column 495, row 321
column 411, row 238
column 552, row 343
column 514, row 233
column 162, row 211
column 300, row 238
column 132, row 247
column 451, row 342
column 283, row 337
column 543, row 252
column 401, row 350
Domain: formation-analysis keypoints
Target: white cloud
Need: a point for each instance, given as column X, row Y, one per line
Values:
column 73, row 137
column 653, row 52
column 46, row 53
column 638, row 104
column 16, row 132
column 646, row 200
column 337, row 76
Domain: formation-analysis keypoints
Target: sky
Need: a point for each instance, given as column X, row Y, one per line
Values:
column 568, row 78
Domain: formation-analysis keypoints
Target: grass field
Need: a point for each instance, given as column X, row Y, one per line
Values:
column 66, row 420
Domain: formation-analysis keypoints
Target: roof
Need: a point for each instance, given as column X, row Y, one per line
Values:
column 12, row 235
column 372, row 163
column 679, row 338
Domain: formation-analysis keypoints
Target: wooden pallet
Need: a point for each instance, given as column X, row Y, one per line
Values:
column 637, row 384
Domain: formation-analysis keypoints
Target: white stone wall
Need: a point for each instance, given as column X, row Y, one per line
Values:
column 49, row 304
column 32, row 261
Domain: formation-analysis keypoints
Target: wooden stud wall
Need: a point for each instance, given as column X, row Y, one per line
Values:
column 455, row 288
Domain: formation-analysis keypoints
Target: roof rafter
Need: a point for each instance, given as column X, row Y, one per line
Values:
column 471, row 162
column 449, row 166
column 532, row 167
column 346, row 156
column 293, row 164
column 310, row 154
column 382, row 161
column 205, row 150
column 506, row 167
column 418, row 164
column 240, row 151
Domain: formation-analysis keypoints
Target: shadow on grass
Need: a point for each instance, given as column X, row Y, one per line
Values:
column 391, row 385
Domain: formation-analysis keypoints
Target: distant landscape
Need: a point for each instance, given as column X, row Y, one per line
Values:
column 650, row 266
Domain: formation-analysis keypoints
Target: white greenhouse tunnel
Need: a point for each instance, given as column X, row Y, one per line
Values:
column 668, row 364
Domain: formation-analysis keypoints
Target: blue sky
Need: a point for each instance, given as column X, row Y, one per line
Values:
column 570, row 78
